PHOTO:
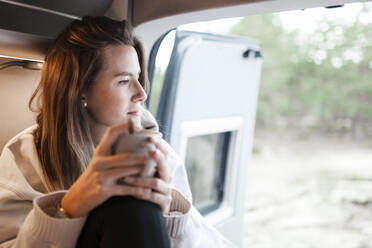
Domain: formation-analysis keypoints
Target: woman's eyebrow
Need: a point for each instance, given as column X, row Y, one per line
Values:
column 125, row 73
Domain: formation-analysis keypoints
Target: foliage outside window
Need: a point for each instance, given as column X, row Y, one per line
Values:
column 316, row 82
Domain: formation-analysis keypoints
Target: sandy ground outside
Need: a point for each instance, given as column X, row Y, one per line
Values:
column 308, row 192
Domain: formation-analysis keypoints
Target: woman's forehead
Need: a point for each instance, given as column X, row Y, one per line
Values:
column 120, row 58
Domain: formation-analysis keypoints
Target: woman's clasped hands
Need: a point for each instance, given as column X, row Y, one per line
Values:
column 99, row 181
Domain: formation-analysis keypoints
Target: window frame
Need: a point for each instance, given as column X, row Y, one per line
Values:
column 234, row 125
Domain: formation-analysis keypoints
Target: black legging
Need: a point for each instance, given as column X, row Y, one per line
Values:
column 124, row 221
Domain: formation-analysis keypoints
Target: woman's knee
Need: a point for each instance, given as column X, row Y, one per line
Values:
column 125, row 220
column 126, row 209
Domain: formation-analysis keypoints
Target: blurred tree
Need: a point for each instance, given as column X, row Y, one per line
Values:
column 322, row 82
column 157, row 84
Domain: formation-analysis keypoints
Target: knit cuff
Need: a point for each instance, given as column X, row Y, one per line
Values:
column 44, row 225
column 179, row 214
column 179, row 202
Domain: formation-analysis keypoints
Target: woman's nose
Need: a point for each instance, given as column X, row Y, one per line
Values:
column 139, row 94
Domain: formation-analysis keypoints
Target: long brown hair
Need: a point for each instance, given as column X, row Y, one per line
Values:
column 63, row 139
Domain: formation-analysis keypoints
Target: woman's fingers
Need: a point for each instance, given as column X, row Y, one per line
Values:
column 161, row 158
column 161, row 196
column 130, row 190
column 114, row 174
column 120, row 160
column 162, row 167
column 146, row 182
column 145, row 194
column 161, row 145
column 162, row 200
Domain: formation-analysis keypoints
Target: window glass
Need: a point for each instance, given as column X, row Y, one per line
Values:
column 206, row 158
column 160, row 67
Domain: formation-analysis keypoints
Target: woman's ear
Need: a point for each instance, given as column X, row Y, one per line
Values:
column 83, row 100
column 83, row 95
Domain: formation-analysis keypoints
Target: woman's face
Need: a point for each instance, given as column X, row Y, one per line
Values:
column 116, row 94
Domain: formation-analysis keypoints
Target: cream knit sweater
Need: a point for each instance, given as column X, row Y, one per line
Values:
column 28, row 213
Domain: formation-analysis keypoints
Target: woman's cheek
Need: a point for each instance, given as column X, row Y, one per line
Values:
column 112, row 106
column 105, row 112
column 118, row 111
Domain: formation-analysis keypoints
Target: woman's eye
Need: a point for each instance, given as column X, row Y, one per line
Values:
column 124, row 82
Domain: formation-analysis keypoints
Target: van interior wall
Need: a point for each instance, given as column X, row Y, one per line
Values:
column 16, row 87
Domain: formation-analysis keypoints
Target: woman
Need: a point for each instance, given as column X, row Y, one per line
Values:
column 93, row 81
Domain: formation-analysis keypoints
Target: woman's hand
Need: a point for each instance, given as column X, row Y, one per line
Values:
column 156, row 189
column 99, row 181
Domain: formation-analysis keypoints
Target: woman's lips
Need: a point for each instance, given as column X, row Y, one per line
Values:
column 133, row 113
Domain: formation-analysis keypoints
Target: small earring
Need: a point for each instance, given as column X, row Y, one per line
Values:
column 85, row 104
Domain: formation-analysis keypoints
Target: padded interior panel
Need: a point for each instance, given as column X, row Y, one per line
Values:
column 23, row 46
column 16, row 87
column 72, row 7
column 31, row 21
column 23, row 17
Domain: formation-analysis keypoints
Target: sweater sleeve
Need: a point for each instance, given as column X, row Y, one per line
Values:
column 179, row 214
column 29, row 218
column 42, row 227
column 188, row 228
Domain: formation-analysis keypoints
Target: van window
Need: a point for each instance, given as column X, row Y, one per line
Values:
column 206, row 159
